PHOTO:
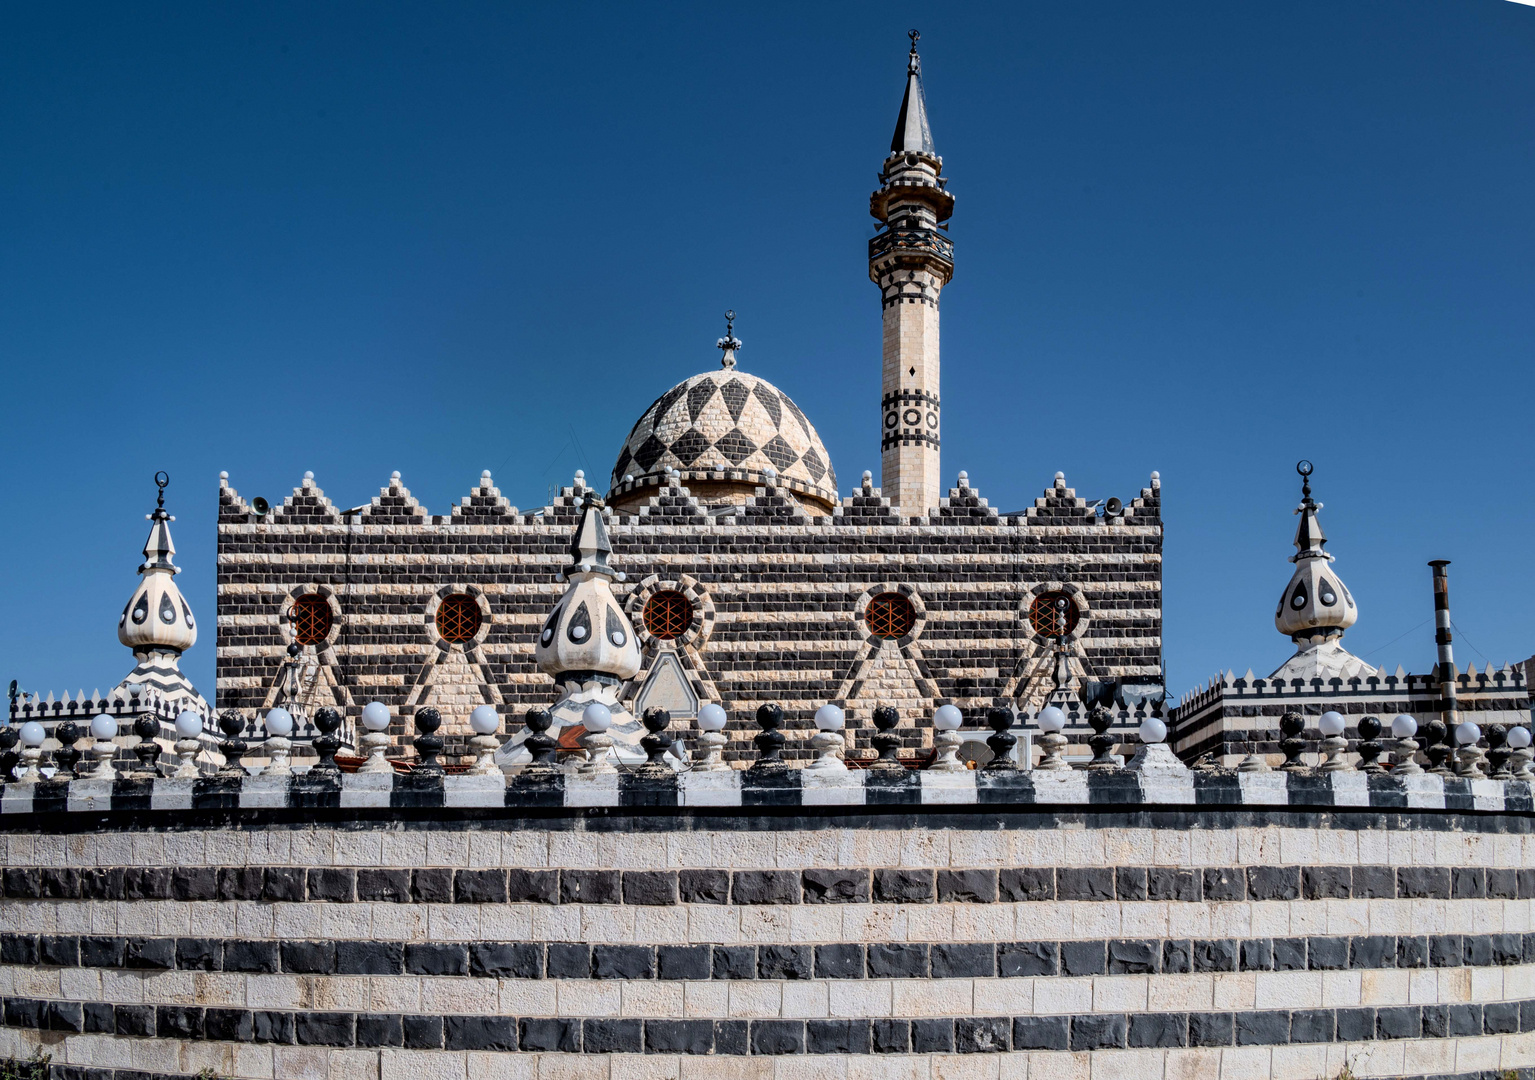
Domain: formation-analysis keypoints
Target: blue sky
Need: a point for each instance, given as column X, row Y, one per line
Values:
column 1204, row 238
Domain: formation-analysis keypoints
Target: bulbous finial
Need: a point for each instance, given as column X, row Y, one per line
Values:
column 729, row 343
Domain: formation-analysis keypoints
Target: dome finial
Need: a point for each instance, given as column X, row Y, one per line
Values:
column 914, row 62
column 729, row 343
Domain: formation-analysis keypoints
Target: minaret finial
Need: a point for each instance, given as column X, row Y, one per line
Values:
column 162, row 481
column 914, row 63
column 729, row 343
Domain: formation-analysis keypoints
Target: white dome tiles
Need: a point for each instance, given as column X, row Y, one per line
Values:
column 727, row 420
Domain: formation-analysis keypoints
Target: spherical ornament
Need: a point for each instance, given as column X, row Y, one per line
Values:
column 1465, row 733
column 597, row 717
column 485, row 720
column 279, row 722
column 32, row 733
column 1519, row 737
column 375, row 716
column 1332, row 724
column 1050, row 719
column 711, row 718
column 1152, row 730
column 829, row 718
column 189, row 725
column 948, row 718
column 1404, row 726
column 103, row 727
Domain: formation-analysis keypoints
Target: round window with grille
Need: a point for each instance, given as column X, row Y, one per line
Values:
column 458, row 618
column 311, row 618
column 668, row 614
column 1053, row 614
column 889, row 616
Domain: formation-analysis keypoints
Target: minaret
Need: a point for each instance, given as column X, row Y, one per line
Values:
column 911, row 261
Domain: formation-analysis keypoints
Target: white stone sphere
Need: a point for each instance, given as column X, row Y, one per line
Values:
column 1404, row 726
column 597, row 717
column 830, row 718
column 375, row 716
column 948, row 718
column 711, row 718
column 1152, row 730
column 1467, row 733
column 1519, row 737
column 1332, row 724
column 485, row 720
column 1050, row 718
column 188, row 724
column 32, row 733
column 103, row 727
column 279, row 722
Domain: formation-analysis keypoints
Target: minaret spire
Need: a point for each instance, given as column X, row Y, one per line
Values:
column 911, row 128
column 911, row 260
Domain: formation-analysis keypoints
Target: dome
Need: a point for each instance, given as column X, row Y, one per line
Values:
column 722, row 431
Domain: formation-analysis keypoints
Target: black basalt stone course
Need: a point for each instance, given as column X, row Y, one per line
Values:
column 612, row 1036
column 1168, row 884
column 1084, row 883
column 309, row 957
column 650, row 887
column 1026, row 958
column 1130, row 883
column 1026, row 883
column 679, row 1036
column 1273, row 882
column 898, row 961
column 785, row 961
column 336, row 885
column 1148, row 1030
column 734, row 962
column 778, row 1036
column 932, row 1036
column 1257, row 954
column 1211, row 1029
column 1445, row 950
column 503, row 960
column 703, row 886
column 967, row 886
column 432, row 885
column 428, row 958
column 324, row 1028
column 370, row 958
column 387, row 885
column 1355, row 1025
column 765, row 887
column 268, row 1026
column 963, row 960
column 1225, row 883
column 550, row 1035
column 1502, row 883
column 283, row 883
column 589, row 887
column 1219, row 954
column 1327, row 953
column 178, row 1022
column 480, row 886
column 1423, row 882
column 19, row 949
column 890, row 1036
column 157, row 953
column 533, row 886
column 1374, row 882
column 251, row 957
column 194, row 883
column 900, row 886
column 1467, row 883
column 564, row 960
column 1399, row 1022
column 1264, row 1027
column 1041, row 1032
column 983, row 1034
column 682, row 961
column 1326, row 882
column 839, row 961
column 623, row 962
column 421, row 1032
column 1177, row 957
column 837, row 1036
column 1100, row 1032
column 228, row 1025
column 1134, row 957
column 379, row 1030
column 1084, row 958
column 240, row 883
column 835, row 886
column 199, row 954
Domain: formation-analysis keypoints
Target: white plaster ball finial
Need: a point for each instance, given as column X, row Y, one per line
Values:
column 395, row 476
column 485, row 720
column 1404, row 726
column 1152, row 730
column 375, row 716
column 1467, row 733
column 829, row 718
column 224, row 475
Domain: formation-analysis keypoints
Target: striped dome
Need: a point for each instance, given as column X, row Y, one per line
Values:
column 728, row 422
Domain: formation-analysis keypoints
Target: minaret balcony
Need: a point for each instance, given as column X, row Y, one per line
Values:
column 903, row 244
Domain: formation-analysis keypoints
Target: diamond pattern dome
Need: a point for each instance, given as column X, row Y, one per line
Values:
column 729, row 422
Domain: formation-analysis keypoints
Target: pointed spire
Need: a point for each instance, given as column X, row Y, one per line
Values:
column 911, row 128
column 589, row 547
column 159, row 548
column 1309, row 537
column 157, row 616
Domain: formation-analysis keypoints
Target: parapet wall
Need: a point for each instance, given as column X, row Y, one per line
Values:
column 999, row 926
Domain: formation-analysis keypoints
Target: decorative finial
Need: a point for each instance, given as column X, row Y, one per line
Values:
column 1305, row 469
column 916, row 36
column 162, row 479
column 729, row 343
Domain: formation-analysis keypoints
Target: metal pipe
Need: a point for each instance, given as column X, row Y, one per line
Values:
column 1448, row 707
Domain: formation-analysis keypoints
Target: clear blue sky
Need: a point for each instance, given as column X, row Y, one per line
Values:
column 1207, row 239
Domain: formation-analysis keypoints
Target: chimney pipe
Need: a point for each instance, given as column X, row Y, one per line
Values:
column 1449, row 711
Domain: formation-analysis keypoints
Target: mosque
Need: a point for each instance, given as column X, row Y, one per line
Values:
column 725, row 565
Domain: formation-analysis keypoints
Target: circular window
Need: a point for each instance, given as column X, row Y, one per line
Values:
column 458, row 618
column 668, row 615
column 311, row 617
column 1053, row 614
column 890, row 615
